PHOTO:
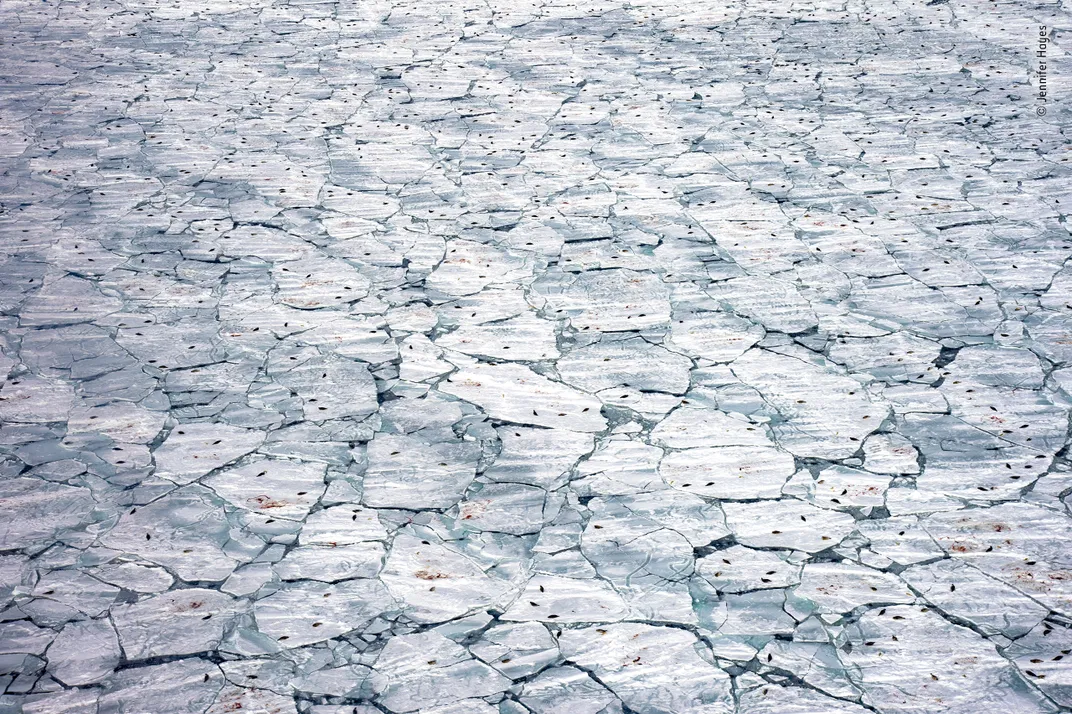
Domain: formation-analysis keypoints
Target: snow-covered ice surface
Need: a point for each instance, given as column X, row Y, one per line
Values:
column 534, row 356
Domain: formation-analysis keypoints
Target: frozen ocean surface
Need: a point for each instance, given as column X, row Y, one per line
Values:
column 535, row 357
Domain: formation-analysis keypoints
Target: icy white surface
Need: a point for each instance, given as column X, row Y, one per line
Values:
column 526, row 357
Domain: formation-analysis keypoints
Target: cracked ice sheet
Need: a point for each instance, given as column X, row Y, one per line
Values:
column 559, row 357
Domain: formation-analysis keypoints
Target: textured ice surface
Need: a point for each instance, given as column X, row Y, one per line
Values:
column 574, row 357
